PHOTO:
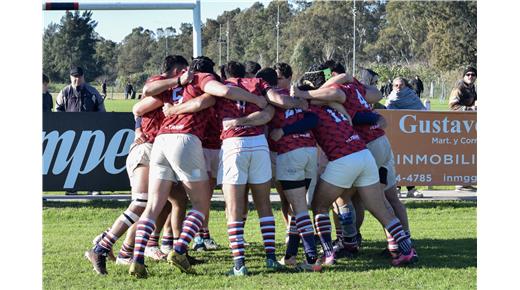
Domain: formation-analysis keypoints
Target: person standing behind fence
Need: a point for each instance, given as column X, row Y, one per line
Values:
column 47, row 97
column 104, row 88
column 79, row 96
column 464, row 96
column 417, row 85
column 128, row 90
column 403, row 97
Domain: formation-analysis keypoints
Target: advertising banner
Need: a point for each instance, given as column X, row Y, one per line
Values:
column 433, row 148
column 86, row 151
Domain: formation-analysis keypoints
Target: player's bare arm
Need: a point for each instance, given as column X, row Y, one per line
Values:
column 145, row 105
column 338, row 79
column 159, row 86
column 254, row 119
column 286, row 102
column 194, row 105
column 322, row 94
column 218, row 89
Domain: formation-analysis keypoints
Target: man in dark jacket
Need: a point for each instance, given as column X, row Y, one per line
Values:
column 79, row 97
column 464, row 96
column 417, row 85
column 47, row 97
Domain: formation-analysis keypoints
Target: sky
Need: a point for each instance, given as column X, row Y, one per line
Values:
column 115, row 25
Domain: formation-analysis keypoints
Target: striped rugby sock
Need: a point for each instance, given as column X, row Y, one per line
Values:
column 304, row 225
column 324, row 229
column 236, row 241
column 294, row 238
column 105, row 245
column 154, row 240
column 267, row 227
column 395, row 229
column 167, row 241
column 127, row 251
column 144, row 229
column 190, row 227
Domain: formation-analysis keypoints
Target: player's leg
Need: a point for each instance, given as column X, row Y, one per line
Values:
column 161, row 180
column 259, row 177
column 347, row 245
column 137, row 167
column 373, row 198
column 152, row 247
column 188, row 162
column 234, row 195
column 167, row 236
column 326, row 193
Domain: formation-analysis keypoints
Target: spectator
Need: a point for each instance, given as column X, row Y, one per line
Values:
column 128, row 90
column 386, row 89
column 464, row 98
column 403, row 97
column 47, row 97
column 104, row 88
column 79, row 97
column 417, row 86
column 252, row 68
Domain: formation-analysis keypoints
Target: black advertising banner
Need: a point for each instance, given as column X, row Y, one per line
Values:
column 86, row 151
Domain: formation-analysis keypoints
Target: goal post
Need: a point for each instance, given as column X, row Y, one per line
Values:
column 193, row 5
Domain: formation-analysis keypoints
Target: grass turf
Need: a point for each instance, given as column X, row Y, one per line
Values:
column 444, row 234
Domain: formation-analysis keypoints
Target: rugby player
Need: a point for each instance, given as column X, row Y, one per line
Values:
column 350, row 165
column 370, row 126
column 177, row 157
column 245, row 162
column 148, row 120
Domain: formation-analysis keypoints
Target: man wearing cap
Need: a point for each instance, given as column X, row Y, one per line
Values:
column 79, row 96
column 464, row 96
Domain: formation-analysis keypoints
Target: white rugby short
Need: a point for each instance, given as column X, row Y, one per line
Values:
column 384, row 157
column 178, row 157
column 244, row 160
column 358, row 169
column 211, row 157
column 297, row 164
column 139, row 155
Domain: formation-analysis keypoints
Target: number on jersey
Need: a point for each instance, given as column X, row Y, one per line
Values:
column 177, row 95
column 362, row 100
column 292, row 112
column 336, row 116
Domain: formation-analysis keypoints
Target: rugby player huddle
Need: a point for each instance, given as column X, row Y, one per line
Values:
column 196, row 129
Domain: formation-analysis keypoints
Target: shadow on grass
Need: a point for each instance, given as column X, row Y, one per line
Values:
column 441, row 204
column 219, row 205
column 433, row 253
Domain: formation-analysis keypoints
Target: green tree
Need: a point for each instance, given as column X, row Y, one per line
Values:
column 71, row 43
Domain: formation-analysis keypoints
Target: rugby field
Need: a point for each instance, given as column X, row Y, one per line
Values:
column 444, row 233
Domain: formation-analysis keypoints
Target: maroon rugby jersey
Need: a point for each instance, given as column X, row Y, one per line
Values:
column 282, row 118
column 354, row 103
column 213, row 129
column 191, row 123
column 334, row 134
column 151, row 121
column 236, row 109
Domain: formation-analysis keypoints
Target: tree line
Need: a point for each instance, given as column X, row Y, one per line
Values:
column 429, row 38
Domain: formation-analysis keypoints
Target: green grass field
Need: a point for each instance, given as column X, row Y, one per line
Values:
column 444, row 234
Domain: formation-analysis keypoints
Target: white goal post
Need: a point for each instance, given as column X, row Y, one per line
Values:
column 193, row 5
